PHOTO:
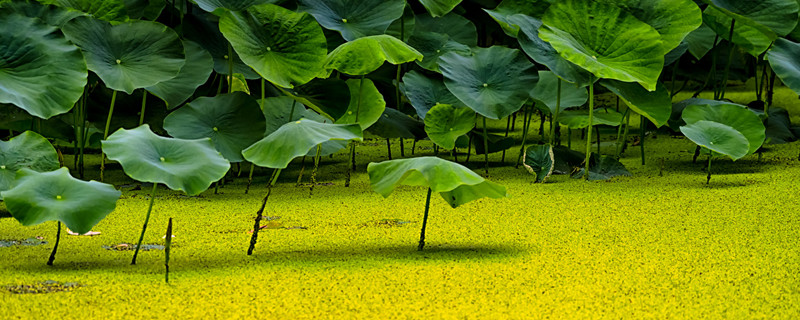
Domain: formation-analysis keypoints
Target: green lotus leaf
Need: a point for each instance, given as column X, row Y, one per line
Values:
column 364, row 55
column 232, row 5
column 367, row 109
column 40, row 71
column 735, row 116
column 540, row 161
column 456, row 184
column 717, row 137
column 546, row 92
column 423, row 93
column 603, row 168
column 129, row 55
column 654, row 105
column 233, row 122
column 199, row 28
column 144, row 9
column 279, row 111
column 542, row 52
column 492, row 81
column 579, row 119
column 780, row 16
column 751, row 37
column 508, row 8
column 328, row 97
column 497, row 142
column 107, row 10
column 676, row 53
column 26, row 150
column 355, row 18
column 328, row 147
column 284, row 47
column 193, row 74
column 395, row 124
column 456, row 27
column 700, row 41
column 401, row 28
column 445, row 123
column 783, row 60
column 296, row 139
column 779, row 127
column 49, row 14
column 675, row 120
column 438, row 8
column 673, row 19
column 605, row 40
column 187, row 165
column 434, row 45
column 55, row 195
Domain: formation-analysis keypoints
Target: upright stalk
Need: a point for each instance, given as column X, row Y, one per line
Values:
column 708, row 177
column 353, row 143
column 485, row 147
column 620, row 136
column 508, row 126
column 167, row 248
column 525, row 125
column 144, row 105
column 105, row 132
column 55, row 247
column 728, row 63
column 260, row 213
column 589, row 130
column 554, row 117
column 146, row 220
column 424, row 221
column 643, row 126
column 314, row 172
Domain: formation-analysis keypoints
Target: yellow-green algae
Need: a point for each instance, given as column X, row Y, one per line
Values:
column 647, row 246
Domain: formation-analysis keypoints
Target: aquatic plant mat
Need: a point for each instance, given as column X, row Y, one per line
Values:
column 634, row 247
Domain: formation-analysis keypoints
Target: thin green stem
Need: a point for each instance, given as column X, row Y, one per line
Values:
column 424, row 221
column 525, row 124
column 485, row 147
column 146, row 220
column 642, row 133
column 620, row 137
column 314, row 172
column 508, row 127
column 144, row 105
column 167, row 249
column 105, row 132
column 554, row 117
column 708, row 177
column 250, row 178
column 589, row 131
column 55, row 247
column 728, row 63
column 260, row 213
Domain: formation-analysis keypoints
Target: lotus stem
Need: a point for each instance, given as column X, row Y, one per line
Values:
column 389, row 148
column 620, row 136
column 770, row 94
column 314, row 172
column 508, row 126
column 144, row 105
column 146, row 220
column 55, row 247
column 728, row 63
column 708, row 177
column 260, row 213
column 402, row 149
column 554, row 117
column 485, row 147
column 250, row 178
column 524, row 134
column 643, row 127
column 230, row 68
column 589, row 131
column 167, row 248
column 424, row 221
column 105, row 133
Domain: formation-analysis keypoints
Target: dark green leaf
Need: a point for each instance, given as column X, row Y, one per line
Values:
column 539, row 160
column 355, row 18
column 27, row 150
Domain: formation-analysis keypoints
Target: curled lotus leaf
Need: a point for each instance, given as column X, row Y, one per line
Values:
column 26, row 150
column 364, row 55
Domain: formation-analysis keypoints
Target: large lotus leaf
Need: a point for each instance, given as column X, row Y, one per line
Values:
column 284, row 47
column 735, row 116
column 438, row 8
column 328, row 147
column 49, row 14
column 456, row 184
column 27, row 150
column 717, row 137
column 508, row 8
column 364, row 55
column 329, row 97
column 753, row 38
column 540, row 161
column 233, row 122
column 579, row 119
column 108, row 10
column 675, row 119
column 434, row 45
column 232, row 5
column 188, row 165
column 423, row 93
column 55, row 195
column 492, row 81
column 542, row 52
column 653, row 105
column 445, row 123
column 295, row 139
column 40, row 71
column 193, row 74
column 395, row 124
column 199, row 28
column 366, row 104
column 783, row 60
column 546, row 92
column 456, row 27
column 497, row 142
column 144, row 9
column 603, row 168
column 355, row 18
column 129, row 55
column 673, row 19
column 605, row 40
column 279, row 111
column 780, row 16
column 700, row 41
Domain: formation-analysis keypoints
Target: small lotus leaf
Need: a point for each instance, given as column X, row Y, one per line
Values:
column 579, row 119
column 284, row 47
column 424, row 93
column 193, row 74
column 546, row 92
column 717, row 137
column 540, row 161
column 783, row 60
column 144, row 9
column 355, row 18
column 364, row 55
column 492, row 81
column 438, row 8
column 456, row 184
column 296, row 139
column 55, row 195
column 233, row 122
column 603, row 168
column 735, row 116
column 187, row 165
column 445, row 123
column 654, row 105
column 366, row 104
column 27, row 150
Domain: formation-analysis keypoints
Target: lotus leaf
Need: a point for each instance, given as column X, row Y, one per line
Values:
column 198, row 28
column 434, row 45
column 445, row 123
column 232, row 5
column 717, row 137
column 508, row 8
column 108, row 10
column 780, row 16
column 496, row 142
column 27, row 150
column 540, row 161
column 700, row 41
column 603, row 168
column 364, row 55
column 783, row 60
column 187, row 165
column 49, row 14
column 673, row 19
column 395, row 124
column 579, row 119
column 750, row 36
column 366, row 104
column 456, row 27
column 546, row 92
column 144, row 9
column 438, row 8
column 355, row 18
column 654, row 105
column 424, row 93
column 735, row 116
column 193, row 74
column 328, row 97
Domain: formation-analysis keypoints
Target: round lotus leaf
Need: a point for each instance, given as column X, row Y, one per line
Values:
column 438, row 8
column 455, row 183
column 508, row 8
column 445, row 123
column 355, row 18
column 700, row 41
column 129, row 55
column 328, row 97
column 193, row 74
column 233, row 122
column 735, row 116
column 108, row 10
column 539, row 161
column 285, row 47
column 26, row 150
column 673, row 19
column 187, row 165
column 579, row 119
column 456, row 27
column 49, row 14
column 424, row 93
column 542, row 52
column 654, row 105
column 364, row 55
column 39, row 197
column 750, row 36
column 717, row 137
column 370, row 107
column 296, row 139
column 199, row 28
column 395, row 124
column 492, row 81
column 783, row 60
column 605, row 40
column 546, row 92
column 780, row 16
column 434, row 45
column 40, row 71
column 232, row 5
column 278, row 111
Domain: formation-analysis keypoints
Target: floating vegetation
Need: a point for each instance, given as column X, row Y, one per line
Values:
column 388, row 223
column 128, row 246
column 37, row 241
column 48, row 286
